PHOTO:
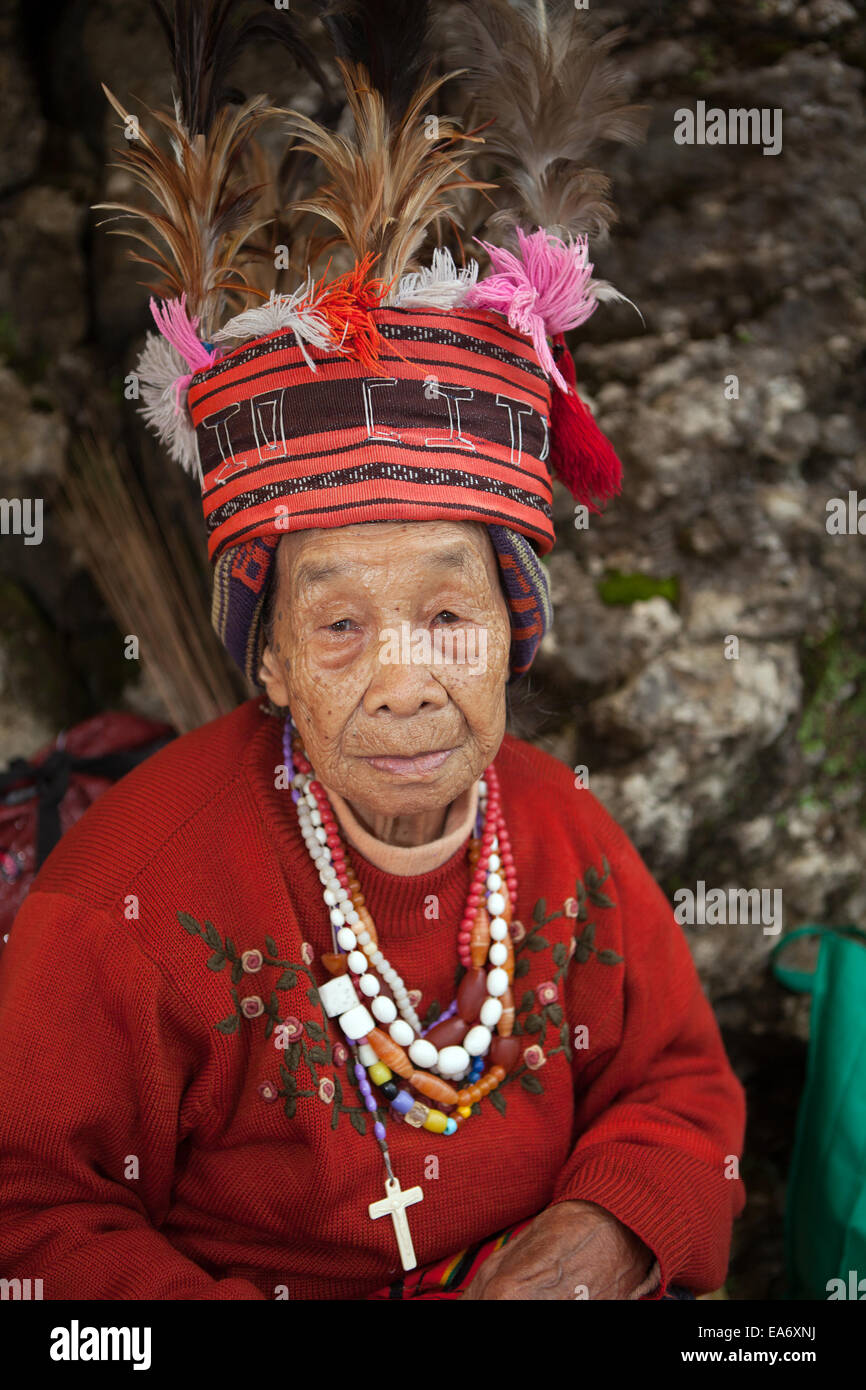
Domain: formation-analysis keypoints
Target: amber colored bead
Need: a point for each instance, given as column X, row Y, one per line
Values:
column 335, row 964
column 486, row 1083
column 471, row 994
column 390, row 1053
column 499, row 1073
column 479, row 941
column 463, row 1097
column 448, row 1033
column 475, row 1094
column 504, row 1053
column 433, row 1087
column 505, row 1026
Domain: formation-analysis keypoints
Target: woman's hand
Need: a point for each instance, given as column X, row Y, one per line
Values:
column 571, row 1250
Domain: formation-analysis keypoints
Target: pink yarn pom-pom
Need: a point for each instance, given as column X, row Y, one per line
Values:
column 176, row 326
column 545, row 290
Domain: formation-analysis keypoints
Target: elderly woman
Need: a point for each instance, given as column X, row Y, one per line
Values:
column 349, row 994
column 200, row 1125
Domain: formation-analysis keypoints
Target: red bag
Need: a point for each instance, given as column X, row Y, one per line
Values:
column 40, row 799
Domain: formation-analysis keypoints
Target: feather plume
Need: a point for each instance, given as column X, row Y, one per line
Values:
column 206, row 208
column 391, row 177
column 205, row 39
column 387, row 38
column 552, row 94
column 204, row 213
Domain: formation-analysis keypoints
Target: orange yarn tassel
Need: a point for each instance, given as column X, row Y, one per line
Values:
column 345, row 305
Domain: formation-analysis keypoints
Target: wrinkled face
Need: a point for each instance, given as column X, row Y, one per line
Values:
column 390, row 645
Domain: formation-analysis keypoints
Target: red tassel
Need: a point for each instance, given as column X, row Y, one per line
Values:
column 580, row 455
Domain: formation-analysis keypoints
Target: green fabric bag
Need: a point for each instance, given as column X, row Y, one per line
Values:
column 825, row 1209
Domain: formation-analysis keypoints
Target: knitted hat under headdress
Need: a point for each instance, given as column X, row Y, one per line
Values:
column 392, row 391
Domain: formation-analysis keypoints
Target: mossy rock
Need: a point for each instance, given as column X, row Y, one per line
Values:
column 834, row 713
column 617, row 587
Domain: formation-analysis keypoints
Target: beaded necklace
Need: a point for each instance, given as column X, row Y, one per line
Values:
column 408, row 1064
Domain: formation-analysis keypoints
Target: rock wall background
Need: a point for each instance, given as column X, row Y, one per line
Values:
column 744, row 772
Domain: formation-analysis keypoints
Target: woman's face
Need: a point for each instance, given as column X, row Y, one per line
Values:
column 391, row 642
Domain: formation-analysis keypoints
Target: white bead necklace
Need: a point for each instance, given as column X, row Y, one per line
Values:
column 366, row 962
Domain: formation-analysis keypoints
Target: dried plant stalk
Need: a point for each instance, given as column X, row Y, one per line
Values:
column 151, row 588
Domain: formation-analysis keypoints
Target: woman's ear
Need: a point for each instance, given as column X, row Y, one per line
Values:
column 272, row 675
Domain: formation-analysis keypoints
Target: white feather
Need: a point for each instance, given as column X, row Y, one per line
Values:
column 603, row 291
column 438, row 286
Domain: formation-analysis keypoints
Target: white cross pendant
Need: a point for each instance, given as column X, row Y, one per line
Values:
column 394, row 1205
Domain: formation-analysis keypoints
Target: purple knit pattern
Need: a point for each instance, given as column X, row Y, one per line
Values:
column 524, row 580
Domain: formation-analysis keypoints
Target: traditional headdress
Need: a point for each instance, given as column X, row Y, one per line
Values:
column 394, row 390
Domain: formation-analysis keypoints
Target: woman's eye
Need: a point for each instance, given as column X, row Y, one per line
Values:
column 447, row 616
column 341, row 625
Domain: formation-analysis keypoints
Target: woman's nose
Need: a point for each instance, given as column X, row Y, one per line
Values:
column 402, row 686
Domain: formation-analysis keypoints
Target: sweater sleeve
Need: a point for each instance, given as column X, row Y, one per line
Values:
column 101, row 1079
column 659, row 1113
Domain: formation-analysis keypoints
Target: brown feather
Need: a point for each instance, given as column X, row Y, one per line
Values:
column 386, row 37
column 205, row 40
column 553, row 94
column 205, row 210
column 388, row 180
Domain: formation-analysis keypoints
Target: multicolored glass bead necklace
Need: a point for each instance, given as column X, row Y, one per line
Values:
column 408, row 1064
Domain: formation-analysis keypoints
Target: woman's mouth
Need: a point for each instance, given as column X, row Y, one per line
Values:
column 411, row 767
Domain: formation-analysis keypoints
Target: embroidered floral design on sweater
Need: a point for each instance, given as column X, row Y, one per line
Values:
column 296, row 1040
column 537, row 1010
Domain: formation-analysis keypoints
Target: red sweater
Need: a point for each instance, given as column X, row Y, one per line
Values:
column 156, row 1143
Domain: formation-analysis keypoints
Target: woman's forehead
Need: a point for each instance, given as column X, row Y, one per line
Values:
column 459, row 547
